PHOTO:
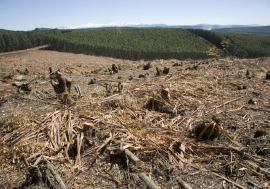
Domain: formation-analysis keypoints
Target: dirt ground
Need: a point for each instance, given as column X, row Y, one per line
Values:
column 205, row 124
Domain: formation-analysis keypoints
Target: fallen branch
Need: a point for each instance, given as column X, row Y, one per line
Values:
column 113, row 178
column 79, row 145
column 183, row 183
column 228, row 136
column 257, row 167
column 256, row 109
column 25, row 161
column 148, row 181
column 247, row 156
column 56, row 176
column 134, row 158
column 105, row 142
column 225, row 103
column 253, row 171
column 224, row 178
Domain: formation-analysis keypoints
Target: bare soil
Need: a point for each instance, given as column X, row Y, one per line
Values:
column 210, row 130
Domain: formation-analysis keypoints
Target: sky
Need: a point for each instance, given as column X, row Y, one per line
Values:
column 30, row 14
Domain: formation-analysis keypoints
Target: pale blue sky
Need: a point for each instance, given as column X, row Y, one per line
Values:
column 29, row 14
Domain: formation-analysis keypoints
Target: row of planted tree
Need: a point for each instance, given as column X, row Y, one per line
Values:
column 135, row 44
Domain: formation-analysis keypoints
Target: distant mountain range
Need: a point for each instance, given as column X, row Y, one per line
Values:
column 243, row 29
column 143, row 25
column 260, row 30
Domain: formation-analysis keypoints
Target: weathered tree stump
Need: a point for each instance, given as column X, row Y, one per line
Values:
column 267, row 75
column 142, row 76
column 63, row 84
column 114, row 68
column 166, row 70
column 92, row 81
column 21, row 86
column 147, row 66
column 205, row 130
column 158, row 71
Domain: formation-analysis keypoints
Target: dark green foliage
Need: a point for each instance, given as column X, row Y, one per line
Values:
column 12, row 41
column 247, row 46
column 132, row 43
column 2, row 43
column 210, row 36
column 241, row 45
column 137, row 43
column 19, row 40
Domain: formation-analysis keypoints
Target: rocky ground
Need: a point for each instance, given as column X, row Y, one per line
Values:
column 196, row 124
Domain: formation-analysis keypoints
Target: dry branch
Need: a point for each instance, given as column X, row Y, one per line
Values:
column 25, row 161
column 79, row 145
column 257, row 167
column 113, row 178
column 150, row 184
column 224, row 178
column 225, row 103
column 105, row 142
column 251, row 170
column 56, row 176
column 183, row 183
column 134, row 158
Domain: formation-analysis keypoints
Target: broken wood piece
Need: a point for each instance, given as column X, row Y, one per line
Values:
column 33, row 156
column 78, row 90
column 113, row 178
column 105, row 142
column 25, row 161
column 183, row 183
column 87, row 127
column 56, row 175
column 112, row 148
column 225, row 103
column 24, row 86
column 134, row 158
column 79, row 146
column 228, row 136
column 252, row 171
column 150, row 184
column 224, row 178
column 255, row 166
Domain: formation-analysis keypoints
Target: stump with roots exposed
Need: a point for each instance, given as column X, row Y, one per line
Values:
column 205, row 130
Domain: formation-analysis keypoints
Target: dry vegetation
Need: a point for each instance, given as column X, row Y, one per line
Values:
column 202, row 125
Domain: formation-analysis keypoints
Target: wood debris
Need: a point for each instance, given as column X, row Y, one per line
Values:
column 158, row 132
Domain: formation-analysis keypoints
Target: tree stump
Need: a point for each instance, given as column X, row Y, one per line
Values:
column 267, row 75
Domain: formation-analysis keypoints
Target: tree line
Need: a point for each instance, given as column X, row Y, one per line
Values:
column 136, row 43
column 241, row 45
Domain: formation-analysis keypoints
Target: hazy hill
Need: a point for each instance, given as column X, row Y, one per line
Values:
column 261, row 30
column 143, row 25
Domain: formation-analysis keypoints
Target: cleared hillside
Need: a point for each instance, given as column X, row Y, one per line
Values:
column 211, row 131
